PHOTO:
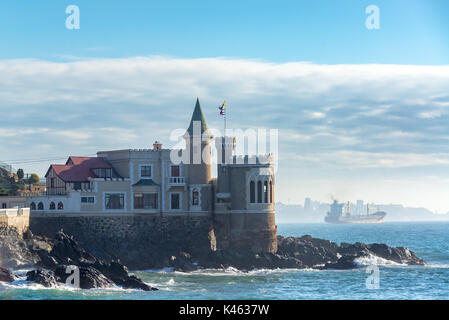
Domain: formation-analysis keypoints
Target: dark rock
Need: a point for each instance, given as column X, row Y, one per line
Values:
column 399, row 254
column 133, row 282
column 183, row 262
column 118, row 273
column 94, row 272
column 320, row 253
column 44, row 277
column 89, row 277
column 343, row 263
column 6, row 275
column 46, row 260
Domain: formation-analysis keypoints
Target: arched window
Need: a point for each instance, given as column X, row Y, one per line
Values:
column 60, row 206
column 265, row 192
column 271, row 191
column 32, row 206
column 259, row 191
column 40, row 206
column 52, row 206
column 252, row 192
column 195, row 197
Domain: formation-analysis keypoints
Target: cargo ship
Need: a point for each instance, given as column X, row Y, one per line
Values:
column 336, row 215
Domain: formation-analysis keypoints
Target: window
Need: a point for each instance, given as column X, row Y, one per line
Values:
column 32, row 206
column 103, row 172
column 175, row 171
column 52, row 206
column 175, row 201
column 114, row 201
column 77, row 185
column 145, row 200
column 52, row 182
column 259, row 191
column 4, row 205
column 145, row 171
column 252, row 192
column 40, row 206
column 265, row 192
column 60, row 206
column 271, row 192
column 87, row 199
column 195, row 197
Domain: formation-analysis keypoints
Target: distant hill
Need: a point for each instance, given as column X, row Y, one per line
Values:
column 5, row 181
column 286, row 213
column 7, row 185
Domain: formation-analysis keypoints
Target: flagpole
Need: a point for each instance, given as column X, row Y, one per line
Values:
column 224, row 133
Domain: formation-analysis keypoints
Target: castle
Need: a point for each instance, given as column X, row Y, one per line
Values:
column 123, row 194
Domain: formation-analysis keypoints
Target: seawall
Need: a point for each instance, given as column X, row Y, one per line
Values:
column 17, row 218
column 140, row 241
column 143, row 241
column 254, row 231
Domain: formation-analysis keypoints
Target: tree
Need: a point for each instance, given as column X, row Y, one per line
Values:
column 33, row 179
column 20, row 174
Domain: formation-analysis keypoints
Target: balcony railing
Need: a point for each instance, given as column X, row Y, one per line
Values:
column 179, row 181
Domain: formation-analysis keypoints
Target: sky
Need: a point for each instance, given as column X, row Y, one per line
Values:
column 361, row 113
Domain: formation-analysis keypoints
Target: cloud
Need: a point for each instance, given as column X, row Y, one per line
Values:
column 361, row 117
column 365, row 160
column 430, row 114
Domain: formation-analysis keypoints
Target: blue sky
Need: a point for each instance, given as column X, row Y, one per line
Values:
column 322, row 31
column 362, row 114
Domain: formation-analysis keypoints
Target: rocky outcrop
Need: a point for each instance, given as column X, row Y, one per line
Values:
column 6, row 275
column 93, row 272
column 89, row 277
column 51, row 256
column 297, row 252
column 324, row 254
column 14, row 252
column 44, row 277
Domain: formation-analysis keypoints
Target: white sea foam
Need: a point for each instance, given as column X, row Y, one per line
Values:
column 374, row 260
column 163, row 270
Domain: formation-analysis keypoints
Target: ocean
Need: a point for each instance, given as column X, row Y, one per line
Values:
column 429, row 240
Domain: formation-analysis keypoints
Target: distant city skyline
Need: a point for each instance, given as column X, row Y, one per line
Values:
column 362, row 114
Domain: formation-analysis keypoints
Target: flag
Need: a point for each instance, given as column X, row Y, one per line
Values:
column 222, row 109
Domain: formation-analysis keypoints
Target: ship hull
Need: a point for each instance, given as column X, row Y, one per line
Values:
column 377, row 217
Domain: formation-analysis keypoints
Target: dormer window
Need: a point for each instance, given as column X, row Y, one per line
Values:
column 103, row 172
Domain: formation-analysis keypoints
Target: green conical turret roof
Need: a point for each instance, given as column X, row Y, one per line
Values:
column 197, row 116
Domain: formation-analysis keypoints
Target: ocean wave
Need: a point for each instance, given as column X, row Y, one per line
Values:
column 437, row 266
column 375, row 260
column 231, row 271
column 160, row 270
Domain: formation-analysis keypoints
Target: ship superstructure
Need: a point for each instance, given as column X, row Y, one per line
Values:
column 336, row 215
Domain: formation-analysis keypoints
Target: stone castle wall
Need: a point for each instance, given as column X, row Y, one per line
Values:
column 254, row 231
column 141, row 240
column 137, row 240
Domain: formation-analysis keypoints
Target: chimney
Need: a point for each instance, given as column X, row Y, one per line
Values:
column 157, row 145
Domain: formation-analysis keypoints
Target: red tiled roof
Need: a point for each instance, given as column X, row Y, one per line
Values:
column 80, row 170
column 78, row 160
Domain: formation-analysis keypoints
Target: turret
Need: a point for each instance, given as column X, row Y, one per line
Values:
column 198, row 148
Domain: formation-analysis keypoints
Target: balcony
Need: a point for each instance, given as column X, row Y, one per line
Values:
column 176, row 181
